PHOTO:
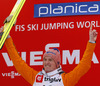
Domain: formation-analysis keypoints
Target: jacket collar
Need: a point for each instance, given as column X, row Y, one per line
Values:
column 52, row 73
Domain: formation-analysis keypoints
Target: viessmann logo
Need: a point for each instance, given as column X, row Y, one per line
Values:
column 11, row 74
column 65, row 9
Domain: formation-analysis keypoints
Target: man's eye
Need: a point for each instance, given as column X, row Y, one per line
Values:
column 44, row 59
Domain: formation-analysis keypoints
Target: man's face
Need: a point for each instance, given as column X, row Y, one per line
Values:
column 49, row 64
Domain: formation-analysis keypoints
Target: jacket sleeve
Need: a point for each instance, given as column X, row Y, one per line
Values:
column 71, row 78
column 26, row 72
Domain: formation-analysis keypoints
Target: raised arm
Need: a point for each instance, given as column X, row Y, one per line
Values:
column 26, row 72
column 73, row 77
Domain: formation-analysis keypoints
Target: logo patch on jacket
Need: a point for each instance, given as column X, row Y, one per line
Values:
column 39, row 78
column 51, row 80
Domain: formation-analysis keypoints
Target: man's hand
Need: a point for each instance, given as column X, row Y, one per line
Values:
column 1, row 32
column 92, row 35
column 6, row 21
column 1, row 29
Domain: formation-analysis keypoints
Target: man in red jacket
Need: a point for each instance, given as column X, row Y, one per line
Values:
column 52, row 74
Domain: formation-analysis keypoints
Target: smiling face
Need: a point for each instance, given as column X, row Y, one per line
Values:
column 49, row 64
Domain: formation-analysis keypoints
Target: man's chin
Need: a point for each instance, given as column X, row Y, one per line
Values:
column 47, row 71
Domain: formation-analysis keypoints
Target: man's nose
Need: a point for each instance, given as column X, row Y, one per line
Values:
column 47, row 62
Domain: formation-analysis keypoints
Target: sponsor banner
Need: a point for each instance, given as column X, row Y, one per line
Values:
column 11, row 74
column 56, row 26
column 67, row 9
column 67, row 57
column 38, row 29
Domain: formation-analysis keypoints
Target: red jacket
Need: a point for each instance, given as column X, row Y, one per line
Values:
column 69, row 79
